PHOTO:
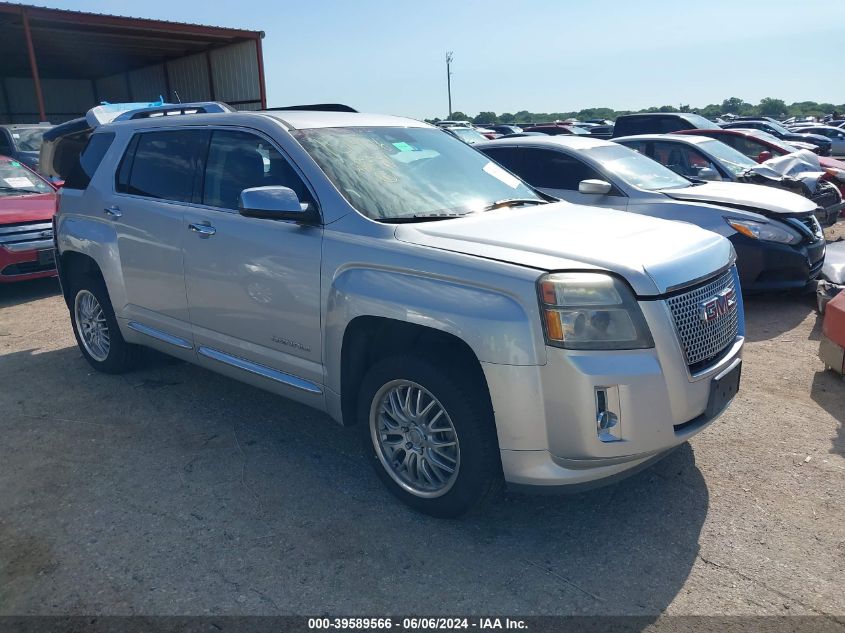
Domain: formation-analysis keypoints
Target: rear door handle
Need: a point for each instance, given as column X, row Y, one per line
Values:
column 203, row 229
column 113, row 211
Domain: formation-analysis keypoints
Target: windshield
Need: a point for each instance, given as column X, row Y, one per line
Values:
column 636, row 169
column 777, row 127
column 389, row 173
column 470, row 136
column 701, row 123
column 28, row 139
column 733, row 160
column 16, row 179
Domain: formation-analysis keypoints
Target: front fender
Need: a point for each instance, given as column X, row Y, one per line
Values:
column 494, row 324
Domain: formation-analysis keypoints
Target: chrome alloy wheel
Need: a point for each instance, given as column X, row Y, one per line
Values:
column 92, row 325
column 415, row 438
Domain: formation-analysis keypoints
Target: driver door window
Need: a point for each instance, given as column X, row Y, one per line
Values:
column 241, row 160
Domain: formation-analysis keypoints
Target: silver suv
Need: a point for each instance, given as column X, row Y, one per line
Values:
column 380, row 270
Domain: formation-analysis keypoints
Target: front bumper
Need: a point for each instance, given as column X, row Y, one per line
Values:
column 547, row 427
column 24, row 263
column 767, row 266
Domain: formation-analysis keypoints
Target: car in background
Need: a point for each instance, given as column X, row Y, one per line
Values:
column 774, row 128
column 27, row 206
column 835, row 134
column 468, row 135
column 22, row 142
column 554, row 129
column 453, row 124
column 705, row 158
column 755, row 144
column 660, row 123
column 602, row 131
column 521, row 134
column 761, row 146
column 778, row 241
column 504, row 129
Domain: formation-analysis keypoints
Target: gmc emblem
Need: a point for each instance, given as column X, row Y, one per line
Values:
column 720, row 305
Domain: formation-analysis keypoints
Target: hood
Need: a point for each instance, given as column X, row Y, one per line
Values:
column 758, row 198
column 653, row 255
column 27, row 208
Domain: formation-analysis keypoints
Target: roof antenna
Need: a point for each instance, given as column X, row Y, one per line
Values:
column 178, row 99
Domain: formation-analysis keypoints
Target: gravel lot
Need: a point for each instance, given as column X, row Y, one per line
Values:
column 172, row 490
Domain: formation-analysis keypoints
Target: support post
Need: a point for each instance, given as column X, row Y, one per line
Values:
column 261, row 87
column 33, row 64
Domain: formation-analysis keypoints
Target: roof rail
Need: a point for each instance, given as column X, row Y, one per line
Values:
column 318, row 107
column 170, row 109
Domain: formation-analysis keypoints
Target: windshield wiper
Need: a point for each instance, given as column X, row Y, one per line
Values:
column 19, row 190
column 513, row 202
column 421, row 217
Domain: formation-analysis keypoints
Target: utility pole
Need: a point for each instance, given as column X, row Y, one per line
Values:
column 449, row 57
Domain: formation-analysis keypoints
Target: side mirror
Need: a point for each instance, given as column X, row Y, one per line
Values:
column 275, row 203
column 594, row 187
column 763, row 156
column 708, row 173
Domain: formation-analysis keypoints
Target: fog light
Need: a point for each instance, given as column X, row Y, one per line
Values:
column 608, row 413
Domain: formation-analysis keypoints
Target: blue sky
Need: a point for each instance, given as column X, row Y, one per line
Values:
column 539, row 55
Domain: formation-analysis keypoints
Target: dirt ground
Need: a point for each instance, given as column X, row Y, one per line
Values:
column 172, row 490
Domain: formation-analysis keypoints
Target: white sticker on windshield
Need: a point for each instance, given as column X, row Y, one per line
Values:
column 497, row 172
column 15, row 135
column 19, row 182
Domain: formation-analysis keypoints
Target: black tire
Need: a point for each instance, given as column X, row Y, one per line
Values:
column 121, row 356
column 479, row 475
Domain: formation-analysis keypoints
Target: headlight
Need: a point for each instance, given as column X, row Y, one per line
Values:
column 764, row 231
column 591, row 311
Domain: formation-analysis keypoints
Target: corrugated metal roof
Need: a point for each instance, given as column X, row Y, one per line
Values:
column 82, row 15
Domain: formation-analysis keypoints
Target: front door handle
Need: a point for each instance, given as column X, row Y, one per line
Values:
column 206, row 230
column 113, row 211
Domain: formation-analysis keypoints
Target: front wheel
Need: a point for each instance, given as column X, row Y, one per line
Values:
column 96, row 330
column 429, row 435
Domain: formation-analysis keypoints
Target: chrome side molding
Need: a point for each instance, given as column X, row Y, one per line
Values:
column 159, row 335
column 260, row 370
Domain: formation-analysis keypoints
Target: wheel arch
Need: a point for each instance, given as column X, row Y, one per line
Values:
column 368, row 339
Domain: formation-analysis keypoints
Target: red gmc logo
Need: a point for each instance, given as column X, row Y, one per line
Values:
column 720, row 305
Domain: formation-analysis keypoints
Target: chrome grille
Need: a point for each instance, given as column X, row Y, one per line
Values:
column 704, row 341
column 19, row 235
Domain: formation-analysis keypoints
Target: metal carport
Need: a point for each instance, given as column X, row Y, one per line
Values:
column 56, row 63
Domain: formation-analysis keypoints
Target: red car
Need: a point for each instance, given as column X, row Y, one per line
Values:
column 27, row 205
column 761, row 146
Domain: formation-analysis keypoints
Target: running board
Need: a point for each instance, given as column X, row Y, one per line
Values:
column 159, row 335
column 260, row 370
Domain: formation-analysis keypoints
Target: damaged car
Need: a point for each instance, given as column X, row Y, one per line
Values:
column 778, row 241
column 705, row 158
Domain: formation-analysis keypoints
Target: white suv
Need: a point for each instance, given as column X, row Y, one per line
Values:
column 382, row 271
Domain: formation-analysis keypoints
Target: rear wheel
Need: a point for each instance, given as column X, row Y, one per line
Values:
column 429, row 436
column 96, row 330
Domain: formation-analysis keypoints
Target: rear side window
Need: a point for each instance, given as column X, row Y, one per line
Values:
column 90, row 158
column 162, row 164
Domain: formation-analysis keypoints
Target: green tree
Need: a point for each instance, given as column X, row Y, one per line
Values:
column 771, row 107
column 507, row 117
column 458, row 116
column 485, row 117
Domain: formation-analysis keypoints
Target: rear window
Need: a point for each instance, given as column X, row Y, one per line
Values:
column 90, row 158
column 162, row 164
